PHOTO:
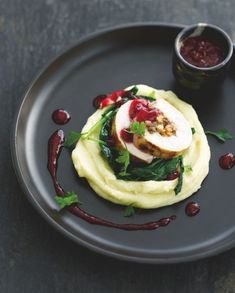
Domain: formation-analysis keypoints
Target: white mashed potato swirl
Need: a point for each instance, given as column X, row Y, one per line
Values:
column 90, row 164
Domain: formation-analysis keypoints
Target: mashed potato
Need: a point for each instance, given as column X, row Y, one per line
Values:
column 90, row 164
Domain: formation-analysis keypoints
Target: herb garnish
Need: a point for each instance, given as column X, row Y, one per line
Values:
column 124, row 160
column 129, row 211
column 68, row 199
column 72, row 139
column 193, row 130
column 222, row 135
column 138, row 127
column 74, row 136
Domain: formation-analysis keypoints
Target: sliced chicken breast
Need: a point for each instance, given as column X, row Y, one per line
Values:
column 123, row 121
column 166, row 146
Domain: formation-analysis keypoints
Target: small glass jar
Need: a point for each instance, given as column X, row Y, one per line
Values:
column 195, row 77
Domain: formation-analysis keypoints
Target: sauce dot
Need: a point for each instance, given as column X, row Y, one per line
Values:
column 173, row 175
column 227, row 161
column 192, row 208
column 61, row 116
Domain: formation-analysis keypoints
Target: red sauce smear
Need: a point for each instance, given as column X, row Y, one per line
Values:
column 201, row 52
column 55, row 145
column 192, row 209
column 227, row 161
column 126, row 135
column 61, row 116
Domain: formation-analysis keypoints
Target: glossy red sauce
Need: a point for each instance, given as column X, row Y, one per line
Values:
column 227, row 161
column 192, row 209
column 201, row 52
column 61, row 116
column 55, row 144
column 126, row 135
column 173, row 175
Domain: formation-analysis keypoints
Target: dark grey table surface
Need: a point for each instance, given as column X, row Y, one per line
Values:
column 33, row 256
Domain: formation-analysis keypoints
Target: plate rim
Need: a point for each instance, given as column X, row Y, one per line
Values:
column 29, row 195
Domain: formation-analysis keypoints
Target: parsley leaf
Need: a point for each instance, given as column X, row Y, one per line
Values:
column 72, row 139
column 138, row 127
column 124, row 160
column 129, row 211
column 222, row 135
column 74, row 136
column 68, row 199
column 193, row 130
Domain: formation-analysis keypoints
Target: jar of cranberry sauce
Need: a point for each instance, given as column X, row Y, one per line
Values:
column 202, row 55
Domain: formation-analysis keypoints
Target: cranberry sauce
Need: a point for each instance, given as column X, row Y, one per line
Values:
column 140, row 111
column 55, row 145
column 76, row 210
column 192, row 209
column 227, row 161
column 126, row 135
column 173, row 175
column 61, row 116
column 136, row 106
column 54, row 148
column 201, row 52
column 97, row 101
column 111, row 99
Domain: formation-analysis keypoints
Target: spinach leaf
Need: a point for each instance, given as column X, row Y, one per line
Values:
column 180, row 178
column 158, row 170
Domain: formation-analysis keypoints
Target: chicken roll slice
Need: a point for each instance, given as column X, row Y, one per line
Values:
column 166, row 136
column 122, row 123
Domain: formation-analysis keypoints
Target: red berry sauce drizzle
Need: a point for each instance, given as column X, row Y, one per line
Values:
column 55, row 145
column 61, row 116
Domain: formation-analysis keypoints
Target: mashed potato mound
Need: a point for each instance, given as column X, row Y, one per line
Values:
column 89, row 163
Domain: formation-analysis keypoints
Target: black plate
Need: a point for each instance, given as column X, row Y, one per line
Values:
column 104, row 62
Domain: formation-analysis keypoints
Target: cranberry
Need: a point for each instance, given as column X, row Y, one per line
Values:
column 136, row 106
column 60, row 116
column 145, row 114
column 111, row 99
column 97, row 100
column 126, row 135
column 192, row 208
column 173, row 175
column 227, row 161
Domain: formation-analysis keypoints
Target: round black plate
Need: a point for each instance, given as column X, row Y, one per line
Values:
column 102, row 63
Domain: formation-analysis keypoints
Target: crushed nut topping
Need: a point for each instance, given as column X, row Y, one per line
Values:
column 162, row 125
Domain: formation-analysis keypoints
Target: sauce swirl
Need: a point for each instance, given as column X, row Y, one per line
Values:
column 55, row 145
